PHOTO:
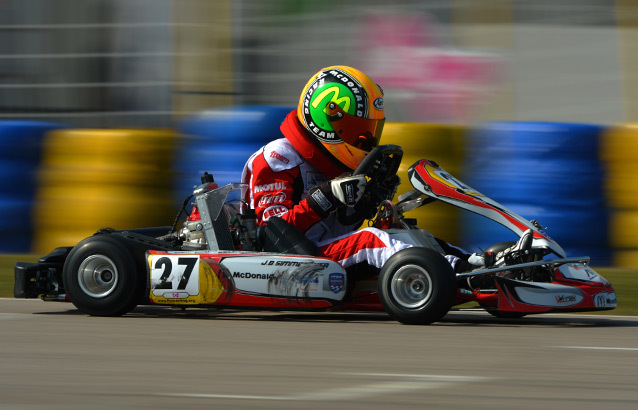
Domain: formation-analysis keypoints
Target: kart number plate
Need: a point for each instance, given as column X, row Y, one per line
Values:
column 174, row 276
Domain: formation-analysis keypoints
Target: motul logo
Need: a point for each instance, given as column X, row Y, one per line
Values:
column 275, row 186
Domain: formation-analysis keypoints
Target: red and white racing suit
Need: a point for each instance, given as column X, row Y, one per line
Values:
column 279, row 179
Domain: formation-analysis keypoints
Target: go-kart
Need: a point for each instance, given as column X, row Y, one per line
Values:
column 220, row 258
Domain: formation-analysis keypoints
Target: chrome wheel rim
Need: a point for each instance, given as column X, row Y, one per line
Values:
column 411, row 286
column 98, row 276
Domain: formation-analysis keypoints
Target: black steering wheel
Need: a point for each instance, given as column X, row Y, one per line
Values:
column 380, row 166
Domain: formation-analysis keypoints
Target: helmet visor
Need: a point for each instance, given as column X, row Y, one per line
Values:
column 362, row 133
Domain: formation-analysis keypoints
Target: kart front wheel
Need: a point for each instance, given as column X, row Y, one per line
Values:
column 417, row 286
column 101, row 276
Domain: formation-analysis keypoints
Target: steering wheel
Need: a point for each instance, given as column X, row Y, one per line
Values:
column 380, row 166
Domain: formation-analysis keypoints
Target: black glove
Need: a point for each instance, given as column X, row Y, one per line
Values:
column 374, row 193
column 368, row 206
column 340, row 192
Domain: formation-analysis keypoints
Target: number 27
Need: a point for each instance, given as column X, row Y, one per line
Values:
column 166, row 264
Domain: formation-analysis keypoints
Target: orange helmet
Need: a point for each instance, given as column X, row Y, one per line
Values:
column 342, row 108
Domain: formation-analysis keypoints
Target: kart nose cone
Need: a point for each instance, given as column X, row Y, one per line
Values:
column 606, row 299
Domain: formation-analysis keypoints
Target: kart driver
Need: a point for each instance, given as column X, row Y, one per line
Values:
column 305, row 176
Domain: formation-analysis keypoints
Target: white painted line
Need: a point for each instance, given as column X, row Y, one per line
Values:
column 29, row 299
column 412, row 382
column 479, row 311
column 10, row 316
column 437, row 377
column 598, row 348
column 220, row 396
column 368, row 390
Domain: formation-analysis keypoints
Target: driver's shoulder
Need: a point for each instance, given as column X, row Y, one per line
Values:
column 280, row 155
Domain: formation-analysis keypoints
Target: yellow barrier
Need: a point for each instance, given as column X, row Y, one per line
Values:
column 441, row 143
column 624, row 229
column 95, row 178
column 622, row 184
column 619, row 151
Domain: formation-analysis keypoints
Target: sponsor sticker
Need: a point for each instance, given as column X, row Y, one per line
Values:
column 336, row 282
column 562, row 299
column 176, row 295
column 310, row 284
column 275, row 186
column 348, row 189
column 321, row 200
column 278, row 156
column 272, row 199
column 549, row 295
column 275, row 210
column 174, row 276
column 605, row 300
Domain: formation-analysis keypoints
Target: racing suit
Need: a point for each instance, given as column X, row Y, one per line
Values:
column 279, row 179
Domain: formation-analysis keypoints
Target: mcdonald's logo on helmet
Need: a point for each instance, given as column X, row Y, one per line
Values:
column 342, row 108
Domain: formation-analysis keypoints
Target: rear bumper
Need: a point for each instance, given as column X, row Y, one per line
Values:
column 35, row 279
column 42, row 279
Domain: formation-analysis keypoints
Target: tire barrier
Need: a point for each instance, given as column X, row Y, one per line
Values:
column 20, row 153
column 550, row 172
column 442, row 144
column 95, row 178
column 89, row 179
column 221, row 140
column 620, row 154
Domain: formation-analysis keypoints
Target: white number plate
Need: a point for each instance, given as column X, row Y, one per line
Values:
column 174, row 276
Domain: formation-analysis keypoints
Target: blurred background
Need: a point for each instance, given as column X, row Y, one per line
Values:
column 110, row 109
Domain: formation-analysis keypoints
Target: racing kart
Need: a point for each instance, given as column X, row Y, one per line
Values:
column 220, row 258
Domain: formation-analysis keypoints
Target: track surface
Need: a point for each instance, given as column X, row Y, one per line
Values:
column 54, row 357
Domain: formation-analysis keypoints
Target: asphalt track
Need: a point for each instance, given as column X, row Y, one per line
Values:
column 54, row 357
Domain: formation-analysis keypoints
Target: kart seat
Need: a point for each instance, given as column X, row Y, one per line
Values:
column 279, row 236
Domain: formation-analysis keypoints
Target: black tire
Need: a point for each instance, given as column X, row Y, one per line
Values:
column 500, row 246
column 102, row 277
column 417, row 286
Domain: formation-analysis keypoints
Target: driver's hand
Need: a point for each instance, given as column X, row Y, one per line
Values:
column 348, row 190
column 391, row 183
column 343, row 191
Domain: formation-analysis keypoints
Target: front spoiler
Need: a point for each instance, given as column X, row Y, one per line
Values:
column 537, row 297
column 575, row 288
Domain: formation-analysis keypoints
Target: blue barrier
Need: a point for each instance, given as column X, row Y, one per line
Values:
column 537, row 140
column 544, row 171
column 564, row 182
column 20, row 154
column 221, row 140
column 580, row 232
column 15, row 225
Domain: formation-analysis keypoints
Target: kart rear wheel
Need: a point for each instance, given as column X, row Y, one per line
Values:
column 417, row 286
column 102, row 277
